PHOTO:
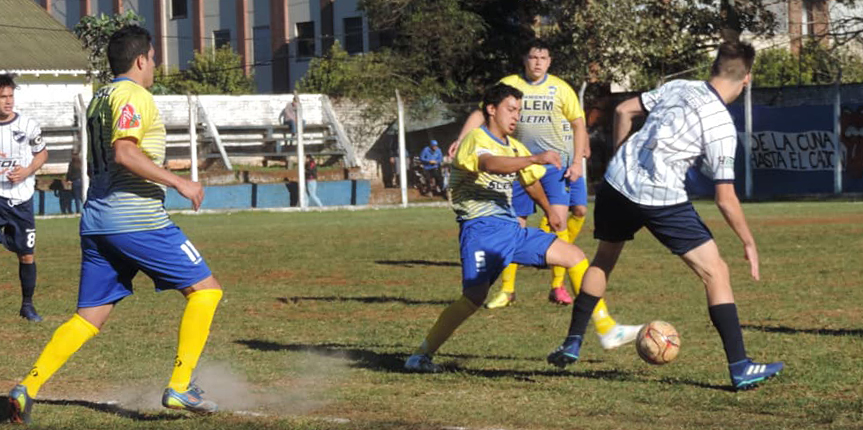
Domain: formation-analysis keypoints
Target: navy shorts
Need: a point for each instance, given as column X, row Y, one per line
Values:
column 110, row 262
column 617, row 219
column 19, row 226
column 554, row 185
column 578, row 192
column 490, row 244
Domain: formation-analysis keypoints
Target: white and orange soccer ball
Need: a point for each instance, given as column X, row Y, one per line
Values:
column 657, row 343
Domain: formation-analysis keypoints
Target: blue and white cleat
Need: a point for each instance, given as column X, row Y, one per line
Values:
column 566, row 353
column 20, row 405
column 189, row 400
column 747, row 374
column 28, row 312
column 422, row 363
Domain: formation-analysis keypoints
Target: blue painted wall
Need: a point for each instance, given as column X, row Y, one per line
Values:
column 242, row 196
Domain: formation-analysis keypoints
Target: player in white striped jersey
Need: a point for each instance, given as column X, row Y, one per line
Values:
column 643, row 187
column 22, row 153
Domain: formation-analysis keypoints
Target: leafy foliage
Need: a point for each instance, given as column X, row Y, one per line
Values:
column 220, row 72
column 815, row 64
column 94, row 33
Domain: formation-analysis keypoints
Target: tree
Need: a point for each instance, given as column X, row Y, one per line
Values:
column 220, row 72
column 94, row 32
column 816, row 64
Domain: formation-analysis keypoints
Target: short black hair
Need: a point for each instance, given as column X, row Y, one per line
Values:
column 7, row 80
column 496, row 94
column 126, row 45
column 733, row 61
column 536, row 43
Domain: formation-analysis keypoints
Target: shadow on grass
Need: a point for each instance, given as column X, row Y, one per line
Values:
column 412, row 263
column 109, row 408
column 362, row 299
column 678, row 382
column 815, row 331
column 394, row 362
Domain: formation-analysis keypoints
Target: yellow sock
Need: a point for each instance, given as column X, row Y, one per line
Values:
column 601, row 318
column 559, row 272
column 194, row 330
column 448, row 321
column 573, row 226
column 543, row 225
column 67, row 339
column 508, row 278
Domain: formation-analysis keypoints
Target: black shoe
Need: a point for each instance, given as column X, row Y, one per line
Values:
column 29, row 312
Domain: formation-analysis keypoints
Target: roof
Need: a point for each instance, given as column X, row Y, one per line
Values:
column 33, row 41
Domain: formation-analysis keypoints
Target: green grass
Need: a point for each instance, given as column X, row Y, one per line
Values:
column 321, row 309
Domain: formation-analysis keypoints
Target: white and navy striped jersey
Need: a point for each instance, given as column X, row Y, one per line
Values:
column 20, row 138
column 686, row 120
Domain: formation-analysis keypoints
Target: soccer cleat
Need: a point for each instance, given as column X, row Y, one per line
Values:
column 29, row 312
column 189, row 400
column 501, row 300
column 422, row 363
column 20, row 405
column 559, row 296
column 747, row 374
column 619, row 335
column 566, row 353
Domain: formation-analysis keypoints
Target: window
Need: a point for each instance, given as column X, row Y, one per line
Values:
column 221, row 38
column 179, row 9
column 305, row 39
column 353, row 35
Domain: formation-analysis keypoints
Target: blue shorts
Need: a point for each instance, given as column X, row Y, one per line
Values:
column 616, row 219
column 554, row 185
column 578, row 192
column 489, row 244
column 110, row 262
column 19, row 226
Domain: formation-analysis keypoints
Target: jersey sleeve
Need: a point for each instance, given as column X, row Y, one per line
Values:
column 720, row 146
column 651, row 98
column 529, row 174
column 130, row 112
column 467, row 156
column 571, row 108
column 37, row 144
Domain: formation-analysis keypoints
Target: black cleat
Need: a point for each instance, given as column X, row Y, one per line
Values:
column 29, row 312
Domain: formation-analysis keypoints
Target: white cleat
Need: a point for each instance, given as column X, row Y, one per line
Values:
column 619, row 335
column 422, row 363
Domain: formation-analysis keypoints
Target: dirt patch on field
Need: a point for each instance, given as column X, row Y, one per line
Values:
column 845, row 219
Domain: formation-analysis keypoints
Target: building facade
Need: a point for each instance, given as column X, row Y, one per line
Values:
column 276, row 39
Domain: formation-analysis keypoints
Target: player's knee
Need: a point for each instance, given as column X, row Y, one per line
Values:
column 476, row 294
column 714, row 272
column 26, row 259
column 579, row 211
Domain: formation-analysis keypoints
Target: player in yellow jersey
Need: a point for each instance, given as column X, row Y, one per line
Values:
column 552, row 119
column 125, row 229
column 484, row 169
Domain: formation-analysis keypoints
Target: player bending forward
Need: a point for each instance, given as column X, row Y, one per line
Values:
column 487, row 163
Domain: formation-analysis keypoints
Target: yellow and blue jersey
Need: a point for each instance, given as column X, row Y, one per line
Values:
column 478, row 194
column 548, row 109
column 118, row 201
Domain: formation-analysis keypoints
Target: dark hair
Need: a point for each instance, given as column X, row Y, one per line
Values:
column 496, row 94
column 538, row 44
column 126, row 45
column 733, row 61
column 7, row 80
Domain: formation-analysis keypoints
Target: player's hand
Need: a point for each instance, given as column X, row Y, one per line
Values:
column 587, row 152
column 555, row 221
column 751, row 255
column 574, row 171
column 453, row 148
column 17, row 174
column 547, row 157
column 192, row 191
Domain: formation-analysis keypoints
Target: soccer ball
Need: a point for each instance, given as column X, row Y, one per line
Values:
column 657, row 343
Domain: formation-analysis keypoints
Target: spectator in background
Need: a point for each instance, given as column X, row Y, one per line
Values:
column 312, row 180
column 432, row 158
column 73, row 175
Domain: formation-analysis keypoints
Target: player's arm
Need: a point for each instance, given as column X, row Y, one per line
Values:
column 502, row 165
column 537, row 193
column 729, row 205
column 581, row 148
column 474, row 120
column 624, row 113
column 19, row 174
column 128, row 155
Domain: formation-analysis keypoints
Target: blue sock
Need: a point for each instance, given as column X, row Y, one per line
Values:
column 27, row 275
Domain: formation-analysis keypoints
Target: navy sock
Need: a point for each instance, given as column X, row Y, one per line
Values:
column 582, row 308
column 27, row 275
column 724, row 318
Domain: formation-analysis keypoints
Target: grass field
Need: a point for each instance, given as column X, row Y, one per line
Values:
column 321, row 309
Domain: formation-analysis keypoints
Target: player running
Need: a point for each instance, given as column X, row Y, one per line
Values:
column 125, row 229
column 686, row 120
column 22, row 153
column 552, row 120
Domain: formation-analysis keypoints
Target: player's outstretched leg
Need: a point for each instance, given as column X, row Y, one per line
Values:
column 448, row 321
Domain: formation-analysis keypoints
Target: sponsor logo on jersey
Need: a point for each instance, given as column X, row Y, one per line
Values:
column 129, row 119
